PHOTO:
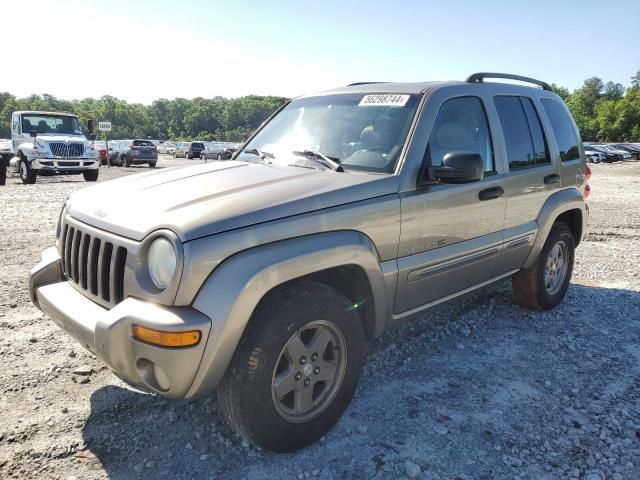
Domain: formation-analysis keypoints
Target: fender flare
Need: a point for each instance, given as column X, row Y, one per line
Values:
column 556, row 205
column 234, row 289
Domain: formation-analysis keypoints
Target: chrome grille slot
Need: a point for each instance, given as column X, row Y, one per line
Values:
column 66, row 150
column 93, row 264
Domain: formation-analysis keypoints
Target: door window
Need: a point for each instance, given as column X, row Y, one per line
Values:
column 461, row 125
column 563, row 130
column 523, row 135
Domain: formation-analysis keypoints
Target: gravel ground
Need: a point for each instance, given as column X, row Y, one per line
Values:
column 478, row 389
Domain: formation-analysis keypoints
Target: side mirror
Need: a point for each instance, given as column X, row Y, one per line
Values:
column 33, row 133
column 459, row 167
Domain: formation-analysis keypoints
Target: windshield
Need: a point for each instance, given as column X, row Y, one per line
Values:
column 52, row 124
column 361, row 132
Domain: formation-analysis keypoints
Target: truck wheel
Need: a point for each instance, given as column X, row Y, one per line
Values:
column 27, row 174
column 91, row 175
column 544, row 284
column 295, row 369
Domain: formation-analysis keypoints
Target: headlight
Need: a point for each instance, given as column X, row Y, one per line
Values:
column 38, row 153
column 162, row 262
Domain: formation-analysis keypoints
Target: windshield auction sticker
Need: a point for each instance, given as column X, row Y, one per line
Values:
column 387, row 100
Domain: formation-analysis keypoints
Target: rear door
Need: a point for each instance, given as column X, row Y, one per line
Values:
column 533, row 174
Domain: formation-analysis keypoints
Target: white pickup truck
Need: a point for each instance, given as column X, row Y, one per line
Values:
column 51, row 143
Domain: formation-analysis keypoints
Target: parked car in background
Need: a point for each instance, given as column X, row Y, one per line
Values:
column 633, row 151
column 229, row 150
column 101, row 148
column 166, row 148
column 610, row 155
column 214, row 151
column 136, row 152
column 189, row 150
column 623, row 153
column 594, row 155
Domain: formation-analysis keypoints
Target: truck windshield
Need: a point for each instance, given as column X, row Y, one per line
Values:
column 52, row 124
column 360, row 131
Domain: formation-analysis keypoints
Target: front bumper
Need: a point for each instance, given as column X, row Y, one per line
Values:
column 107, row 333
column 68, row 164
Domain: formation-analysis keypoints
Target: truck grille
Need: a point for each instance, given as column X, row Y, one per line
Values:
column 66, row 150
column 95, row 265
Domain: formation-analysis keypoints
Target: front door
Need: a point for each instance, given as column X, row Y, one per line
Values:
column 451, row 234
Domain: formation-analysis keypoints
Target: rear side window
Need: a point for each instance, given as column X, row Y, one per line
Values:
column 523, row 136
column 461, row 125
column 563, row 130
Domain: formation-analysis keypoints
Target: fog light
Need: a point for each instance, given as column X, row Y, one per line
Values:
column 161, row 378
column 166, row 339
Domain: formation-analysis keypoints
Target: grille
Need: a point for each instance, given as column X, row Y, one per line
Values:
column 66, row 150
column 93, row 264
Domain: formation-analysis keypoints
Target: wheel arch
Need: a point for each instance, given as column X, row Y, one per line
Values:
column 568, row 206
column 345, row 260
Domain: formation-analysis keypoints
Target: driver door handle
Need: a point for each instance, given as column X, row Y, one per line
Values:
column 490, row 193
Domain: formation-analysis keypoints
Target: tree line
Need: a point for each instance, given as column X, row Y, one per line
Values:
column 208, row 119
column 604, row 112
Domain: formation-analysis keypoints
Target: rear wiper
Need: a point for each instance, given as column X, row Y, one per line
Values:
column 259, row 153
column 320, row 158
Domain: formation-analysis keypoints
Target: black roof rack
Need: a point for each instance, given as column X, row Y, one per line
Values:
column 479, row 78
column 362, row 83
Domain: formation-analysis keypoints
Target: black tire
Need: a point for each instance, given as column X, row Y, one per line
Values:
column 530, row 286
column 219, row 157
column 186, row 155
column 3, row 170
column 91, row 175
column 245, row 394
column 124, row 162
column 152, row 164
column 173, row 155
column 27, row 174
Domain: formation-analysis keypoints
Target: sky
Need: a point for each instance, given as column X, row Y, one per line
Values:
column 147, row 49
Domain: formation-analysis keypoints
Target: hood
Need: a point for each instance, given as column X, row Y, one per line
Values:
column 210, row 198
column 42, row 138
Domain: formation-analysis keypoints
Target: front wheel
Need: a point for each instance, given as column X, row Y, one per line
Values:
column 27, row 174
column 91, row 175
column 544, row 285
column 295, row 369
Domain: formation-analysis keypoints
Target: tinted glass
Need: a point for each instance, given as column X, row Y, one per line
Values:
column 197, row 145
column 541, row 153
column 524, row 141
column 563, row 130
column 143, row 143
column 461, row 125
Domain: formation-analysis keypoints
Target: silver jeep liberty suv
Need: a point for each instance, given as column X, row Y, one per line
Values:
column 346, row 213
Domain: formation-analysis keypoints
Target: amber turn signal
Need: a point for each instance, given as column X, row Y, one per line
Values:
column 166, row 339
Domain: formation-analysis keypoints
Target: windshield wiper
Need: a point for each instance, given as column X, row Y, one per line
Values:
column 320, row 158
column 259, row 153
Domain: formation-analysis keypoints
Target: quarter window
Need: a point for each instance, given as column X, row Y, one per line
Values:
column 523, row 136
column 461, row 125
column 563, row 130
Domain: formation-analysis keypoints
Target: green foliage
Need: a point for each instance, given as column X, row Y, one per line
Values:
column 603, row 112
column 204, row 119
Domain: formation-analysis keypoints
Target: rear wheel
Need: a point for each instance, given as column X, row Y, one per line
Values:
column 91, row 175
column 219, row 157
column 27, row 174
column 124, row 161
column 295, row 369
column 544, row 285
column 152, row 164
